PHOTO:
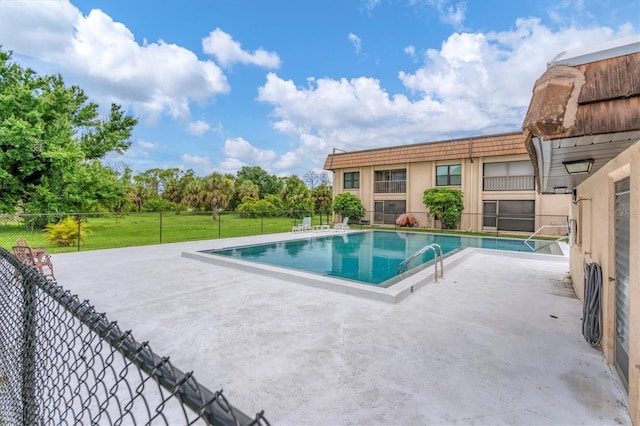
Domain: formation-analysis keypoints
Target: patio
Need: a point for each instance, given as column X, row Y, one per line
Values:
column 496, row 341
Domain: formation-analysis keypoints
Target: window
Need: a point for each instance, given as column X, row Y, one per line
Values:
column 390, row 181
column 511, row 176
column 510, row 215
column 387, row 211
column 351, row 180
column 449, row 175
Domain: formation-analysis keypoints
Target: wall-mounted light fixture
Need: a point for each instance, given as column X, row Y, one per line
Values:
column 561, row 190
column 578, row 167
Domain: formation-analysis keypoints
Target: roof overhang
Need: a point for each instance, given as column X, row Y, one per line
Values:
column 586, row 112
column 550, row 156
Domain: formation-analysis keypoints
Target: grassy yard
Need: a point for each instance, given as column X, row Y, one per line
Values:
column 111, row 231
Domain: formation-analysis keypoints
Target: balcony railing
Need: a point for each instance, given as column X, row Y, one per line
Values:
column 390, row 186
column 509, row 183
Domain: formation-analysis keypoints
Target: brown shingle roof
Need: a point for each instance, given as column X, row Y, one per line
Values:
column 480, row 146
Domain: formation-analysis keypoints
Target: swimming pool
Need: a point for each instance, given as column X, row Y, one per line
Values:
column 369, row 257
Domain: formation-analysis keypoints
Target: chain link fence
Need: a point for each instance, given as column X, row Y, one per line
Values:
column 111, row 230
column 61, row 362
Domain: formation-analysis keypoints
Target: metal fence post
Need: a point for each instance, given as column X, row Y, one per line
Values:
column 160, row 227
column 219, row 225
column 79, row 229
column 28, row 352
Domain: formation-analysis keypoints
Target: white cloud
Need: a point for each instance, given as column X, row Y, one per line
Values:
column 454, row 15
column 196, row 159
column 50, row 26
column 242, row 150
column 153, row 78
column 371, row 4
column 476, row 83
column 197, row 128
column 289, row 161
column 410, row 50
column 146, row 144
column 231, row 165
column 356, row 41
column 228, row 51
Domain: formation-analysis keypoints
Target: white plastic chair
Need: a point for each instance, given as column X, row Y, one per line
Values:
column 343, row 226
column 304, row 226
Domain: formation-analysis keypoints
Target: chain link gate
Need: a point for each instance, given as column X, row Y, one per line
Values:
column 61, row 362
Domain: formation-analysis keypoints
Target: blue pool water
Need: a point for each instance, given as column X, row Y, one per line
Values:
column 370, row 257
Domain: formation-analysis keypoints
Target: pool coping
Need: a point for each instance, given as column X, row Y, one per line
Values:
column 392, row 294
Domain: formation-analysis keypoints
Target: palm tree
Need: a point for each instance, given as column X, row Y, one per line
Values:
column 217, row 191
column 246, row 188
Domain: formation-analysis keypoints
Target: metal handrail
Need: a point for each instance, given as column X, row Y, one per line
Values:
column 547, row 226
column 436, row 254
column 554, row 241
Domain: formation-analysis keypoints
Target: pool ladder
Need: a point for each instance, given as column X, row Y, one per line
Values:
column 404, row 265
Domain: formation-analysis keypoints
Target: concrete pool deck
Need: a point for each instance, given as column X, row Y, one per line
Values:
column 496, row 341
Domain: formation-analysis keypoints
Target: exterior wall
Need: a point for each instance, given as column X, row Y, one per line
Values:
column 595, row 242
column 551, row 209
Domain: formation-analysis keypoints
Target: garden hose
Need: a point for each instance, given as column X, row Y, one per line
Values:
column 591, row 309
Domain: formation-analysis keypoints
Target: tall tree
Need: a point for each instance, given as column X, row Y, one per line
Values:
column 322, row 196
column 49, row 136
column 296, row 197
column 174, row 187
column 311, row 178
column 138, row 195
column 218, row 190
column 314, row 179
column 213, row 191
column 268, row 184
column 244, row 189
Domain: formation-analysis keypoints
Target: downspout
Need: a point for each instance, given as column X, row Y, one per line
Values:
column 472, row 201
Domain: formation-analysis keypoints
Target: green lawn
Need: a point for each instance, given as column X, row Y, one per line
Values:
column 111, row 231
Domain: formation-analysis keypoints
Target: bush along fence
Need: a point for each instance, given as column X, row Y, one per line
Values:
column 61, row 362
column 91, row 231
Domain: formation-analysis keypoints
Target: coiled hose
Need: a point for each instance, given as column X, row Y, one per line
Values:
column 591, row 310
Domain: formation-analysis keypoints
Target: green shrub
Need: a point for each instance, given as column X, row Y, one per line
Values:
column 445, row 204
column 348, row 205
column 66, row 232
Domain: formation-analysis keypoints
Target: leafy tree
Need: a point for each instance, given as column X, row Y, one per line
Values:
column 50, row 136
column 268, row 184
column 445, row 204
column 296, row 198
column 194, row 194
column 276, row 202
column 348, row 205
column 213, row 191
column 322, row 196
column 174, row 187
column 91, row 187
column 138, row 195
column 244, row 189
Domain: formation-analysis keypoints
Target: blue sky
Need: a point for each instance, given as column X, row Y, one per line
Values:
column 221, row 84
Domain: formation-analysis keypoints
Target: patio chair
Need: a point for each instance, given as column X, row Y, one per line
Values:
column 304, row 226
column 36, row 257
column 342, row 226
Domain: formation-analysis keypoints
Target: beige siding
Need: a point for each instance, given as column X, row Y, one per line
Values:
column 420, row 163
column 596, row 226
